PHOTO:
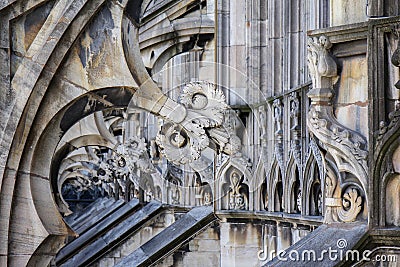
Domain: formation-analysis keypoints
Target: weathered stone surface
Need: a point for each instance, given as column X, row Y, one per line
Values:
column 172, row 236
column 110, row 236
column 321, row 241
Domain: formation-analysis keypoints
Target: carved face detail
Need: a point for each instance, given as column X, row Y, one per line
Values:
column 235, row 178
column 199, row 101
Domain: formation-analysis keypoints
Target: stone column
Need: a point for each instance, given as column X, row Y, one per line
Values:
column 284, row 236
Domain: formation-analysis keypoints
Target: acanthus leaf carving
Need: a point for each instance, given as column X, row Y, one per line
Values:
column 183, row 143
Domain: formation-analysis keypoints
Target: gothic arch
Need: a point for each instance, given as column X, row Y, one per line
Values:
column 220, row 180
column 27, row 94
column 313, row 182
column 234, row 191
column 386, row 177
column 147, row 190
column 49, row 138
column 174, row 187
column 260, row 187
column 59, row 163
column 294, row 184
column 275, row 184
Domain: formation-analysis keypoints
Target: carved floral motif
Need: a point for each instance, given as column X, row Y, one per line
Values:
column 182, row 143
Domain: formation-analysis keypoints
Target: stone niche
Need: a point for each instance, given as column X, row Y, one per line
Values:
column 234, row 192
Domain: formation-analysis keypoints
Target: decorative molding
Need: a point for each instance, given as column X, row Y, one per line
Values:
column 341, row 204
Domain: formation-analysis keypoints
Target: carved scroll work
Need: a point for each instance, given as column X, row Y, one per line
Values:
column 346, row 157
column 184, row 138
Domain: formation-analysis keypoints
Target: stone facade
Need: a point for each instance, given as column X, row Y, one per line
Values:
column 282, row 117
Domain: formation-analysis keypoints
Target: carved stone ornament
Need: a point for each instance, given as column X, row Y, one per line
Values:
column 341, row 204
column 321, row 65
column 348, row 148
column 237, row 199
column 278, row 116
column 182, row 143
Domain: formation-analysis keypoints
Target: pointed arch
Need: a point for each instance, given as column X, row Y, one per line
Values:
column 222, row 186
column 313, row 182
column 293, row 188
column 275, row 184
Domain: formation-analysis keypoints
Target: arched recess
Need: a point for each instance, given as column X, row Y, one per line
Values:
column 392, row 199
column 26, row 93
column 260, row 187
column 387, row 179
column 49, row 133
column 159, row 42
column 275, row 184
column 147, row 190
column 201, row 193
column 222, row 185
column 174, row 190
column 234, row 192
column 294, row 184
column 313, row 183
column 59, row 156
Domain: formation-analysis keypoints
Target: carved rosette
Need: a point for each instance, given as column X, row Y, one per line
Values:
column 183, row 143
column 347, row 147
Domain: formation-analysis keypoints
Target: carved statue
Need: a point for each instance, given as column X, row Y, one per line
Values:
column 278, row 116
column 237, row 199
column 294, row 111
column 321, row 65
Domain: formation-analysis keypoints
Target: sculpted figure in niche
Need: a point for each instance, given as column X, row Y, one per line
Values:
column 237, row 197
column 278, row 115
